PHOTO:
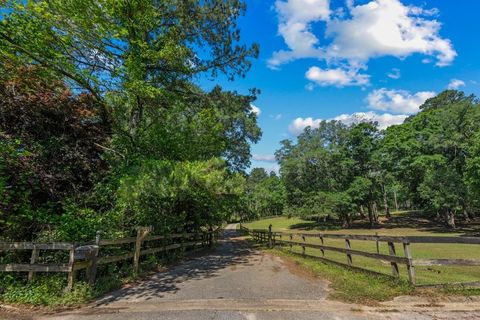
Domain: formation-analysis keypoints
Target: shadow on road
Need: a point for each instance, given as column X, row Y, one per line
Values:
column 231, row 251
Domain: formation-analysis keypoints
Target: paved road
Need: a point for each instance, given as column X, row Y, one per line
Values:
column 233, row 282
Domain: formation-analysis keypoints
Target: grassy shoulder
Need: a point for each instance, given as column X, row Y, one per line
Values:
column 350, row 285
column 355, row 286
column 48, row 290
column 401, row 224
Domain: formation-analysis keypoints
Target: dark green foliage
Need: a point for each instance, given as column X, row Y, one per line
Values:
column 265, row 195
column 102, row 125
column 430, row 162
column 177, row 196
column 50, row 147
column 330, row 171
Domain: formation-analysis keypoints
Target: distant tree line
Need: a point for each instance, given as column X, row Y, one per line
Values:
column 431, row 162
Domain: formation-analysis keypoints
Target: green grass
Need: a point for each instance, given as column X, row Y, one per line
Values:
column 367, row 288
column 47, row 290
column 420, row 227
column 279, row 224
column 350, row 285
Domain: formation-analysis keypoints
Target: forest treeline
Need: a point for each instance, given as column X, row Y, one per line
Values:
column 431, row 163
column 103, row 125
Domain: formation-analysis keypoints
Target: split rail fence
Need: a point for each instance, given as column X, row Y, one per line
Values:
column 284, row 239
column 90, row 256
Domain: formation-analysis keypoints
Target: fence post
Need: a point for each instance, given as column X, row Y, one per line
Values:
column 303, row 246
column 376, row 242
column 270, row 240
column 92, row 270
column 391, row 249
column 410, row 267
column 323, row 251
column 141, row 234
column 71, row 272
column 33, row 259
column 349, row 256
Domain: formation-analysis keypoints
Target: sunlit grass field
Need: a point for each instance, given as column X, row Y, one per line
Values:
column 398, row 226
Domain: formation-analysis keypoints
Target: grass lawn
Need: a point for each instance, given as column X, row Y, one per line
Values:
column 366, row 288
column 401, row 224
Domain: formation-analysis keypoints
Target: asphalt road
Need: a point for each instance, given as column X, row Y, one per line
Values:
column 236, row 281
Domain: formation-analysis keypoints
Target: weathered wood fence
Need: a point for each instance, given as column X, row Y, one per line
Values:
column 286, row 240
column 90, row 256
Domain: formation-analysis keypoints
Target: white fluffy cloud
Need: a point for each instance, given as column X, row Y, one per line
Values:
column 296, row 126
column 264, row 157
column 358, row 33
column 295, row 19
column 255, row 109
column 387, row 28
column 397, row 101
column 336, row 77
column 384, row 120
column 456, row 84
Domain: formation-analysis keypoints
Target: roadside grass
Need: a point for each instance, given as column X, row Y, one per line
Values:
column 352, row 285
column 47, row 290
column 361, row 287
column 425, row 275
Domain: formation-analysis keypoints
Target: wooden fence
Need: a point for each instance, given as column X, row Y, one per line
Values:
column 286, row 239
column 90, row 256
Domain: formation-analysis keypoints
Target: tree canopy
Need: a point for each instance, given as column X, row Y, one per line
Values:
column 429, row 163
column 103, row 125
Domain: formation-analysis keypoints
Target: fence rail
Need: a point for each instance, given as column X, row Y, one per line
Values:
column 278, row 239
column 89, row 256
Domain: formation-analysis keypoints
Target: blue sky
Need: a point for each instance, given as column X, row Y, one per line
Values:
column 350, row 60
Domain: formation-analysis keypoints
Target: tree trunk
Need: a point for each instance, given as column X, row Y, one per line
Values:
column 362, row 212
column 371, row 217
column 465, row 215
column 375, row 212
column 385, row 202
column 395, row 198
column 450, row 219
column 346, row 221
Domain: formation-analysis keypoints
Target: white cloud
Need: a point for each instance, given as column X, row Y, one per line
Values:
column 264, row 157
column 387, row 28
column 295, row 18
column 296, row 126
column 336, row 77
column 397, row 101
column 275, row 167
column 276, row 116
column 383, row 120
column 456, row 84
column 255, row 109
column 394, row 74
column 358, row 33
